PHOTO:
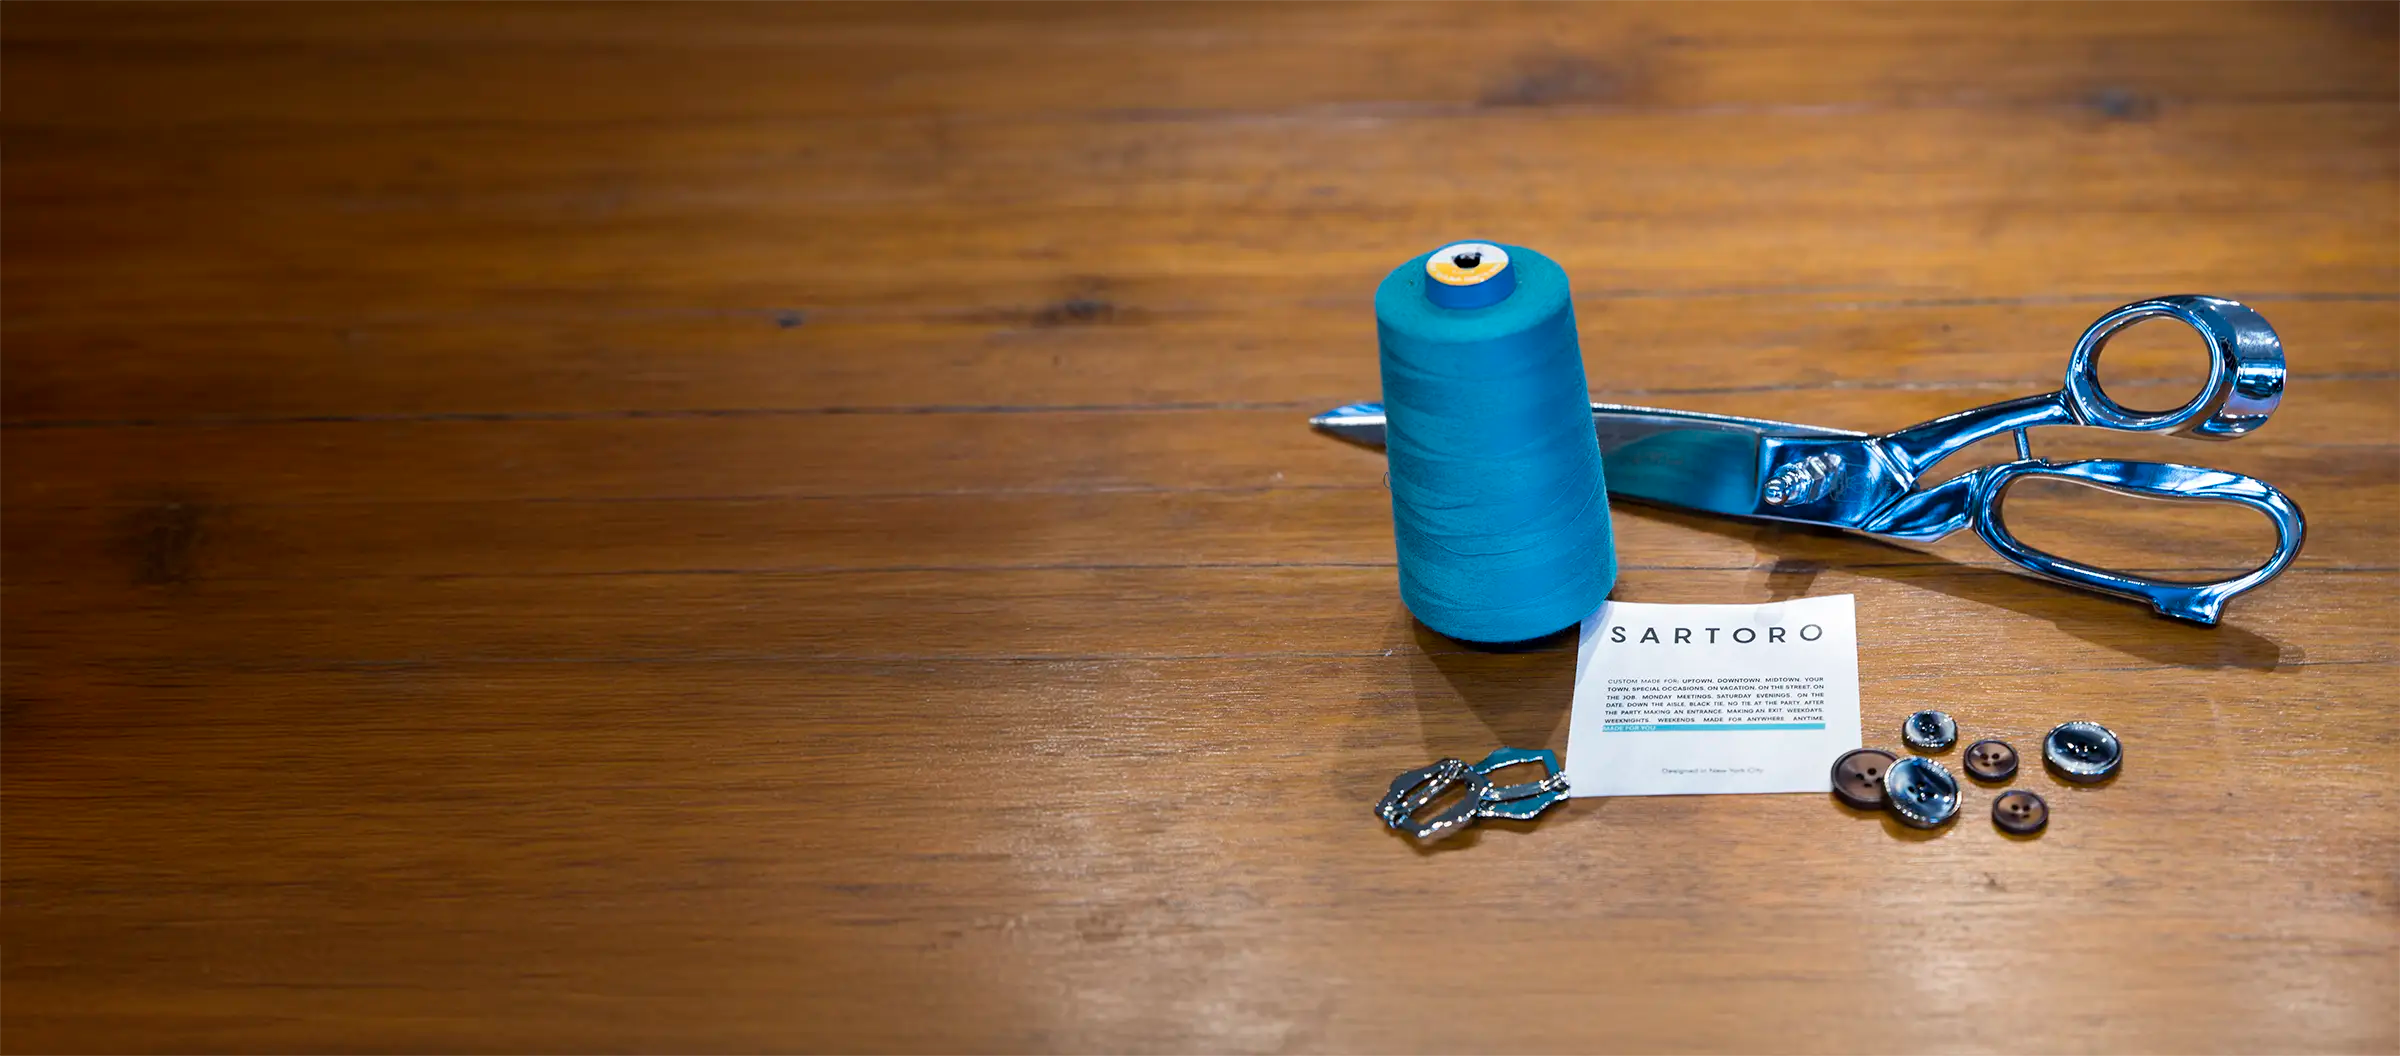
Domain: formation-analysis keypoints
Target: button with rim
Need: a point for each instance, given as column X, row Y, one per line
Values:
column 1990, row 759
column 1929, row 731
column 1920, row 792
column 2083, row 752
column 1858, row 777
column 2019, row 812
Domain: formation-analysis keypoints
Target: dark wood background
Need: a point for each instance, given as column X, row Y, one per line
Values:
column 760, row 527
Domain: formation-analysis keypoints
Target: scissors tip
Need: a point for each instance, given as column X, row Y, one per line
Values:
column 1359, row 423
column 1348, row 412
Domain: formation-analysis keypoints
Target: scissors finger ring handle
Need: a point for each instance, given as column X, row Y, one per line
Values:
column 2198, row 602
column 2245, row 370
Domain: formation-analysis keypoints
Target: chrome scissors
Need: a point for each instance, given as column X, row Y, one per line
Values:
column 1750, row 467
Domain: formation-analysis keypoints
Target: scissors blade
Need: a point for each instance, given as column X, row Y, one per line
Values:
column 1359, row 423
column 1707, row 462
column 1692, row 461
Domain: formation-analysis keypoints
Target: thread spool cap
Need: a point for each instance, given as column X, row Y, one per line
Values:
column 1469, row 275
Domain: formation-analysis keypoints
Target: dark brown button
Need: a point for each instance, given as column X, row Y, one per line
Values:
column 1858, row 777
column 2020, row 812
column 1990, row 760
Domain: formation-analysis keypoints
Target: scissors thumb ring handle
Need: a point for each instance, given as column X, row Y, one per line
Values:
column 2198, row 602
column 2245, row 370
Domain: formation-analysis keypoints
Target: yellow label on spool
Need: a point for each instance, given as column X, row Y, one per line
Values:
column 1466, row 263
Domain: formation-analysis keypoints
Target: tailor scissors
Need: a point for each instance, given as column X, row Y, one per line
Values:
column 1750, row 467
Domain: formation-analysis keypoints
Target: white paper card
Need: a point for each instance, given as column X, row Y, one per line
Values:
column 1678, row 700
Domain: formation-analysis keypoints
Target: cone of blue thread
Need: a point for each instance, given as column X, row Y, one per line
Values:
column 1499, row 509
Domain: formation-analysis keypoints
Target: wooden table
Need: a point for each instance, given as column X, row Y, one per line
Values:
column 760, row 527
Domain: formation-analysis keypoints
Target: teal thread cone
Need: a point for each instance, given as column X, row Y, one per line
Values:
column 1499, row 509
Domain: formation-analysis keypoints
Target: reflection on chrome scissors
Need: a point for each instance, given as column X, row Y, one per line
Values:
column 1749, row 467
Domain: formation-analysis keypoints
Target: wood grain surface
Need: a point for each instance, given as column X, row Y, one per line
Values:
column 568, row 528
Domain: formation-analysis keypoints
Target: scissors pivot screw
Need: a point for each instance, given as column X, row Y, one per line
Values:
column 1812, row 478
